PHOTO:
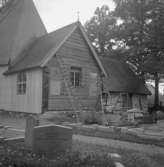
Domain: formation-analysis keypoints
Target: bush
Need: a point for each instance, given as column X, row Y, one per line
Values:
column 160, row 115
column 60, row 117
column 91, row 117
column 148, row 118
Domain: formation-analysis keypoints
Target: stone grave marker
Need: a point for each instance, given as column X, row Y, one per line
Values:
column 31, row 122
column 51, row 140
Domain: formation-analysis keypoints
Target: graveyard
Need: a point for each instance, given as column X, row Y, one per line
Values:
column 27, row 140
column 76, row 96
column 14, row 125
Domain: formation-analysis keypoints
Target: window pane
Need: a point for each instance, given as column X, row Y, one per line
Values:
column 23, row 77
column 72, row 78
column 77, row 79
column 24, row 88
column 21, row 83
column 75, row 76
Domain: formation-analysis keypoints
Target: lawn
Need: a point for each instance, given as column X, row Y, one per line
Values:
column 129, row 158
column 82, row 155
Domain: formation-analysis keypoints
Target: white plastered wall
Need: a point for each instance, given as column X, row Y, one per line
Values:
column 31, row 102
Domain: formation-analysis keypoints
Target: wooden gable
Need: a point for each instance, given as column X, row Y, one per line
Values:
column 76, row 53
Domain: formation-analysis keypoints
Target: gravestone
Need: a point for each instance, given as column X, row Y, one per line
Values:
column 51, row 140
column 31, row 122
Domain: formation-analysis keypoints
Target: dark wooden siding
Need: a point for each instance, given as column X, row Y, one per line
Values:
column 75, row 52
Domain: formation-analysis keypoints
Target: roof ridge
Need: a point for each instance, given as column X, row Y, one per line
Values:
column 58, row 29
column 9, row 8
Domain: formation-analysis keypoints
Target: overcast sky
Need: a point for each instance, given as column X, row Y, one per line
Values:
column 58, row 13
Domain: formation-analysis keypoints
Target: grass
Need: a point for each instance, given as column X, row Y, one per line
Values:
column 18, row 156
column 129, row 158
column 83, row 155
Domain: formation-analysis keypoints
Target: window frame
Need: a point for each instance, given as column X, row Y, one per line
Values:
column 75, row 76
column 21, row 83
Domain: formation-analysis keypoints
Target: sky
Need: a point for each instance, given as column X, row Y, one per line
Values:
column 58, row 13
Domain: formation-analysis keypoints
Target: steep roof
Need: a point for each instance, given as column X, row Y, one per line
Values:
column 20, row 23
column 45, row 47
column 121, row 78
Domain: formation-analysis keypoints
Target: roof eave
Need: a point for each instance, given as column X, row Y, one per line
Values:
column 130, row 92
column 8, row 72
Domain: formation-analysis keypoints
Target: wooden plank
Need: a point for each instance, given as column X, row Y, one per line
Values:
column 76, row 53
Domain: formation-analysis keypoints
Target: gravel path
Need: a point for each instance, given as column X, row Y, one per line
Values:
column 148, row 149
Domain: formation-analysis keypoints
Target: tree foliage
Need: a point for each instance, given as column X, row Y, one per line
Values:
column 142, row 30
column 100, row 29
column 143, row 33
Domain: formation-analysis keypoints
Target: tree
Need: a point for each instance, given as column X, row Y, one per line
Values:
column 154, row 65
column 155, row 45
column 100, row 29
column 4, row 3
column 142, row 31
column 133, row 30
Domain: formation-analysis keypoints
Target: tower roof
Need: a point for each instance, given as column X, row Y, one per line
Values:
column 20, row 23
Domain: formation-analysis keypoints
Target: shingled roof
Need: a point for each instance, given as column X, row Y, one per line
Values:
column 20, row 23
column 45, row 47
column 121, row 78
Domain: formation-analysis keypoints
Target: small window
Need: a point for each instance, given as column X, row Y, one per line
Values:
column 75, row 77
column 21, row 83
